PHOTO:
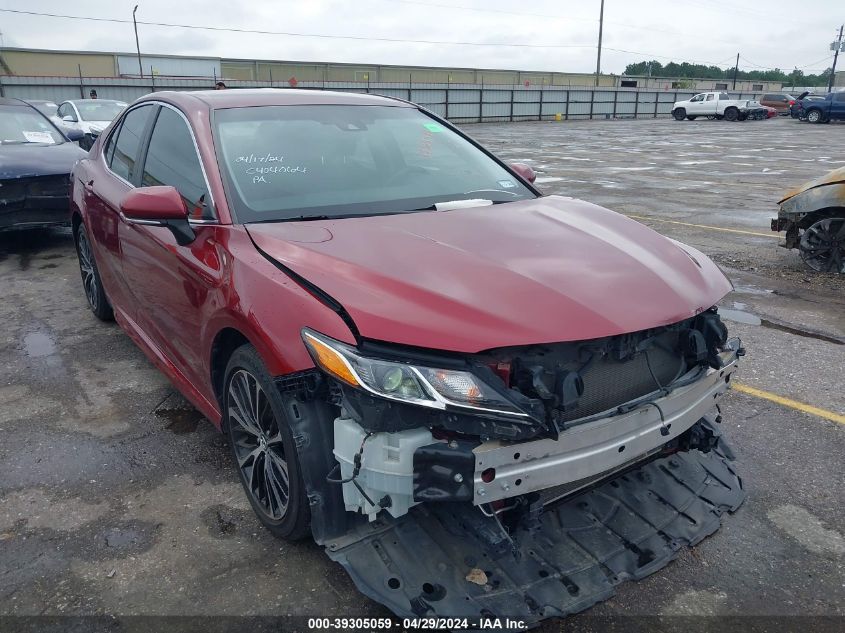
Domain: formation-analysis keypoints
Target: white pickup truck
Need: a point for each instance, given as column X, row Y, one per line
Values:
column 717, row 105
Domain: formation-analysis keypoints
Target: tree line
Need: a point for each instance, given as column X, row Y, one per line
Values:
column 701, row 71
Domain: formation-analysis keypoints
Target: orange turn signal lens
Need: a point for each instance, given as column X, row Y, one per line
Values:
column 330, row 360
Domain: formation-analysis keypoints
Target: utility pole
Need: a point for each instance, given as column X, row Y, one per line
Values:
column 137, row 45
column 835, row 57
column 736, row 70
column 601, row 26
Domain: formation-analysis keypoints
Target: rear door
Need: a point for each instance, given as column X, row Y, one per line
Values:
column 108, row 183
column 171, row 283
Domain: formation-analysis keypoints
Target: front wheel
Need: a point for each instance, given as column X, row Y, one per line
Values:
column 263, row 447
column 822, row 246
column 680, row 114
column 814, row 116
column 91, row 282
column 731, row 114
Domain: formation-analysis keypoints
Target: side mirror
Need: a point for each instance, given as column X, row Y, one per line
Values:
column 524, row 171
column 158, row 206
column 74, row 134
column 68, row 118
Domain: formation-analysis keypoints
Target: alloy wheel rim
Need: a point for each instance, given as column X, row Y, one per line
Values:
column 257, row 441
column 86, row 267
column 823, row 245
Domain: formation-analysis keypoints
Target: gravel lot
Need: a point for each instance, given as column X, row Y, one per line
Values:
column 117, row 498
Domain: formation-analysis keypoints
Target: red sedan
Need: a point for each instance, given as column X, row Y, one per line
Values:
column 416, row 356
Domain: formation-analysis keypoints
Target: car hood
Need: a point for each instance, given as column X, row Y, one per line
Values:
column 536, row 271
column 29, row 159
column 830, row 178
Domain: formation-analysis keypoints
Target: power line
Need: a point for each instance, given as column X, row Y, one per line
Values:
column 293, row 34
column 823, row 59
column 349, row 37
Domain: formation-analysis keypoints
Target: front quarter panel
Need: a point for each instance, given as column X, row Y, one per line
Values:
column 267, row 307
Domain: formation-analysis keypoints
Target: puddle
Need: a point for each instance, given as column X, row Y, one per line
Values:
column 181, row 420
column 739, row 315
column 752, row 290
column 38, row 345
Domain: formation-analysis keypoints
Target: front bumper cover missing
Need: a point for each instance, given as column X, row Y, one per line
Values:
column 626, row 528
column 596, row 447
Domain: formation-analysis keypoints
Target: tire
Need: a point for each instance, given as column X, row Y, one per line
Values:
column 814, row 116
column 92, row 285
column 691, row 118
column 731, row 114
column 822, row 245
column 263, row 448
column 680, row 114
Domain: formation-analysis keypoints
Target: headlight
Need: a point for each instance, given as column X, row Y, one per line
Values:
column 425, row 386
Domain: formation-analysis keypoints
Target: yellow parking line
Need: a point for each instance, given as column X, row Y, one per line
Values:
column 704, row 226
column 788, row 402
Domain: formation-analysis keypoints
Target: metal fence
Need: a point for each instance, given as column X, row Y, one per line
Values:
column 461, row 103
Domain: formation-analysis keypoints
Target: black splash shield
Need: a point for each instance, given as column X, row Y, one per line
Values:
column 626, row 528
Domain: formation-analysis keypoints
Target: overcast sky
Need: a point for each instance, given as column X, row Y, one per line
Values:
column 780, row 33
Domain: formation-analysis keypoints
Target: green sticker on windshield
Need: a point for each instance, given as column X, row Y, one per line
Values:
column 433, row 127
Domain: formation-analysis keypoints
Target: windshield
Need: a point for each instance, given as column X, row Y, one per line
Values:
column 46, row 107
column 96, row 110
column 289, row 162
column 19, row 124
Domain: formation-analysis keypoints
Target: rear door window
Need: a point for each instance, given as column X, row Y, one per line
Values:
column 172, row 160
column 129, row 140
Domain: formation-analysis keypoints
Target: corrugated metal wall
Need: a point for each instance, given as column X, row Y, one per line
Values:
column 462, row 103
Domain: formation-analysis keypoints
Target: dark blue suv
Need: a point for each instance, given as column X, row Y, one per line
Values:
column 831, row 108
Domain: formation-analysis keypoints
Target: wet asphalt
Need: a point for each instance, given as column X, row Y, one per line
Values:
column 117, row 498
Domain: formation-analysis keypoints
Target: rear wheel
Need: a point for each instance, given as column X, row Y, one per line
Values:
column 263, row 447
column 680, row 114
column 822, row 246
column 91, row 282
column 691, row 118
column 731, row 114
column 814, row 116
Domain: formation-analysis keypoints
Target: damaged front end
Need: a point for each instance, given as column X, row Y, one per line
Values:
column 523, row 481
column 34, row 200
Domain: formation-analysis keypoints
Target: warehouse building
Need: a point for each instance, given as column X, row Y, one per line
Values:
column 54, row 63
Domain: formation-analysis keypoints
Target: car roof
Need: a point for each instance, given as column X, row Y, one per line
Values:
column 91, row 100
column 9, row 101
column 245, row 98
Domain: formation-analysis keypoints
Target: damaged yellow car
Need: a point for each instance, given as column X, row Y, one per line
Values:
column 813, row 216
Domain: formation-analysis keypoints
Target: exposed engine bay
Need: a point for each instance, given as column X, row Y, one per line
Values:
column 594, row 406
